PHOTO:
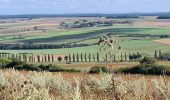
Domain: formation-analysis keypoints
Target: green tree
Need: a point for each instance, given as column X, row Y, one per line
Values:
column 94, row 58
column 69, row 56
column 98, row 58
column 66, row 58
column 114, row 58
column 89, row 57
column 42, row 59
column 147, row 60
column 121, row 57
column 155, row 54
column 160, row 53
column 38, row 58
column 52, row 58
column 125, row 56
column 49, row 58
column 85, row 57
column 81, row 56
column 45, row 58
column 59, row 59
column 77, row 57
column 106, row 57
column 74, row 59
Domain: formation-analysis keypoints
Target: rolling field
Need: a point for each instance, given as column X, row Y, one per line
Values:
column 69, row 72
column 145, row 26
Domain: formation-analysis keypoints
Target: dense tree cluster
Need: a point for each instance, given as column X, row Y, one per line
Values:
column 40, row 46
column 163, row 17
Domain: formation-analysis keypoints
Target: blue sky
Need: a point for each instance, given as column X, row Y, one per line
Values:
column 82, row 6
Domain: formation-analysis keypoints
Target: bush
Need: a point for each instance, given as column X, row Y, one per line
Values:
column 73, row 71
column 135, row 56
column 59, row 69
column 164, row 56
column 98, row 70
column 148, row 60
column 14, row 63
column 149, row 69
column 56, row 69
column 147, row 66
column 19, row 67
column 44, row 67
column 4, row 62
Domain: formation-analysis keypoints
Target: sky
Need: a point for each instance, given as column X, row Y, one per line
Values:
column 15, row 7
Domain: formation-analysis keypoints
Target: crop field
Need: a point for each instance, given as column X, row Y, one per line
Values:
column 48, row 31
column 84, row 58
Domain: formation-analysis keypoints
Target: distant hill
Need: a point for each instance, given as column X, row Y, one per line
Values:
column 82, row 15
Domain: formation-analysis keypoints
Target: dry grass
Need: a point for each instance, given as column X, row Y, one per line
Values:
column 60, row 86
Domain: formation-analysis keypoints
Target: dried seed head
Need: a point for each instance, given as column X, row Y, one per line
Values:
column 14, row 90
column 30, row 82
column 111, row 41
column 11, row 91
column 120, row 48
column 3, row 87
column 25, row 82
column 22, row 86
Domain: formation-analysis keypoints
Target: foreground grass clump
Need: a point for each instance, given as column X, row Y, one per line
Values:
column 47, row 86
column 147, row 66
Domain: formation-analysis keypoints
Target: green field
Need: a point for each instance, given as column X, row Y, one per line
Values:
column 90, row 35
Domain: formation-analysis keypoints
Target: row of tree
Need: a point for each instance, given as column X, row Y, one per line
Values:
column 86, row 57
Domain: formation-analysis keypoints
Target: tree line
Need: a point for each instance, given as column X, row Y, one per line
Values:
column 40, row 46
column 82, row 57
column 75, row 57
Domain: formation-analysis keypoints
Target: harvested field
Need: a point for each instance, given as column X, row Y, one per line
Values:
column 152, row 23
column 163, row 41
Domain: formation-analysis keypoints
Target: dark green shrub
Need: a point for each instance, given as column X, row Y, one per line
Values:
column 19, row 67
column 27, row 67
column 59, row 69
column 30, row 67
column 56, row 69
column 14, row 63
column 147, row 60
column 149, row 69
column 72, row 71
column 44, row 67
column 4, row 60
column 135, row 56
column 164, row 56
column 60, row 59
column 98, row 70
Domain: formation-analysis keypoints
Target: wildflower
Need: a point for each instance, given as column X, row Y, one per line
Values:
column 30, row 82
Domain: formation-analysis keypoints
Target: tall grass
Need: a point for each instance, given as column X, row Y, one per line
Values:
column 15, row 85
